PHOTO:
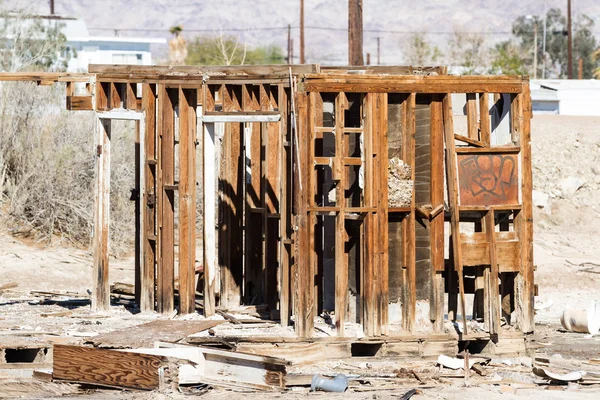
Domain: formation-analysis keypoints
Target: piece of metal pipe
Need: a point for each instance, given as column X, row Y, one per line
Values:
column 338, row 384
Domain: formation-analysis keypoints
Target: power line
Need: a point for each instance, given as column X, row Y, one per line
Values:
column 322, row 28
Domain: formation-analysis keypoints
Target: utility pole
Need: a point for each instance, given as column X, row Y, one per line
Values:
column 535, row 48
column 378, row 50
column 302, row 60
column 289, row 45
column 355, row 33
column 544, row 40
column 51, row 7
column 570, row 41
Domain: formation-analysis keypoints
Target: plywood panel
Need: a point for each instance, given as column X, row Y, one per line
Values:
column 488, row 179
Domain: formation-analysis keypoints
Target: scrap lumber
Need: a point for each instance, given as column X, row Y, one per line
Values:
column 37, row 390
column 225, row 368
column 7, row 286
column 122, row 288
column 113, row 368
column 146, row 334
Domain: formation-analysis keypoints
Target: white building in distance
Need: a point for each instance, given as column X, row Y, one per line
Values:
column 566, row 96
column 84, row 48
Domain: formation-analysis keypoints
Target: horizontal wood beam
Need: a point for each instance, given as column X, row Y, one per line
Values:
column 493, row 149
column 410, row 84
column 45, row 77
column 265, row 116
column 124, row 115
column 79, row 103
column 200, row 71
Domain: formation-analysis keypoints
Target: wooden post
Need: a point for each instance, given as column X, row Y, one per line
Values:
column 472, row 127
column 101, row 291
column 484, row 118
column 339, row 175
column 382, row 212
column 187, row 200
column 524, row 219
column 303, row 291
column 369, row 266
column 436, row 224
column 149, row 199
column 138, row 263
column 355, row 32
column 231, row 205
column 493, row 294
column 315, row 111
column 452, row 178
column 209, row 204
column 284, row 209
column 166, row 266
column 408, row 223
column 302, row 59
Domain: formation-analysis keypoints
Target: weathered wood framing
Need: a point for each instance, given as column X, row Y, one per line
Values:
column 296, row 214
column 101, row 292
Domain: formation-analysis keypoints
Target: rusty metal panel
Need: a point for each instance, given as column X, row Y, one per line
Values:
column 488, row 179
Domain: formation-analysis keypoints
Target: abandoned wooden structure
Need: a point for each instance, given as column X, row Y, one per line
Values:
column 293, row 163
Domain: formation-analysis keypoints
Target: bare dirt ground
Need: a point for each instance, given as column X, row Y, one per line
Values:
column 567, row 255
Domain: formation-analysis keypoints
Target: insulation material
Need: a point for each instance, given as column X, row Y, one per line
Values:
column 399, row 183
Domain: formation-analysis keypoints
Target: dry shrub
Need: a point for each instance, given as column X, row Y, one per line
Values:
column 47, row 168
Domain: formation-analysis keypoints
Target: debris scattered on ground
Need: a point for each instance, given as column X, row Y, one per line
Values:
column 338, row 384
column 570, row 185
column 582, row 321
column 400, row 186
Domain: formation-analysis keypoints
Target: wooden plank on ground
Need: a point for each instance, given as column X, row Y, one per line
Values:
column 223, row 367
column 108, row 367
column 145, row 335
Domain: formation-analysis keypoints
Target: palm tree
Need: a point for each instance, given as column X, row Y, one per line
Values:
column 595, row 58
column 177, row 47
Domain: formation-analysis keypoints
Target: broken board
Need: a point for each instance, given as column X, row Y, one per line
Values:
column 146, row 334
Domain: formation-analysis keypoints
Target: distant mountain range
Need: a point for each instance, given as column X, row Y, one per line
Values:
column 264, row 22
